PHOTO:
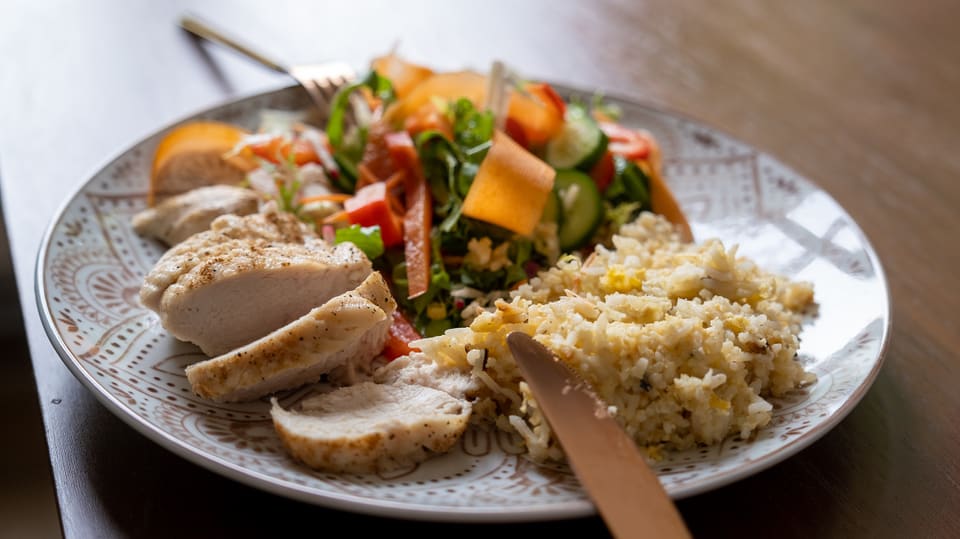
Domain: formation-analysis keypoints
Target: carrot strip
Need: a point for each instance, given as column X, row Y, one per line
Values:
column 339, row 217
column 331, row 197
column 365, row 176
column 395, row 179
column 419, row 215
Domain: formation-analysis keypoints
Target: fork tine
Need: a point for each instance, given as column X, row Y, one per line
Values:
column 313, row 90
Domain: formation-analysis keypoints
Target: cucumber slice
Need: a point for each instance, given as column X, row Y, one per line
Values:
column 551, row 212
column 581, row 207
column 579, row 144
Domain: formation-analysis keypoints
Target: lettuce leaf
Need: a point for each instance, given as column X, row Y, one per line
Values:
column 366, row 238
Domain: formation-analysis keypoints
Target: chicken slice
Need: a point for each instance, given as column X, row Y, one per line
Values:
column 269, row 226
column 179, row 217
column 346, row 332
column 246, row 289
column 417, row 369
column 371, row 427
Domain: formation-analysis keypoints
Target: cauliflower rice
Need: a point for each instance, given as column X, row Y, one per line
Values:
column 683, row 341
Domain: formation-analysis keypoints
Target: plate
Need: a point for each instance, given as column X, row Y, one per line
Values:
column 91, row 263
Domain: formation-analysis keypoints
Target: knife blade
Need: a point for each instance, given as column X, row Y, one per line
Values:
column 608, row 464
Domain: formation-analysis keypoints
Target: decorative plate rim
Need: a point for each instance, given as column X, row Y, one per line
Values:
column 415, row 511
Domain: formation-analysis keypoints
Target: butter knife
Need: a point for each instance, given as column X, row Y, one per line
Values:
column 608, row 464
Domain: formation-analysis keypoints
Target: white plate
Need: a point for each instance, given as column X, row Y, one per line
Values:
column 91, row 264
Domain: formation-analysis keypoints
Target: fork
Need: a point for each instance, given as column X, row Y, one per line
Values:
column 321, row 81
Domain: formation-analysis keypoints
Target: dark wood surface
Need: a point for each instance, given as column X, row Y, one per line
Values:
column 860, row 95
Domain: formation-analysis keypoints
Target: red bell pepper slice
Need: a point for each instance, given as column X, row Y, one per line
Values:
column 604, row 171
column 370, row 206
column 399, row 336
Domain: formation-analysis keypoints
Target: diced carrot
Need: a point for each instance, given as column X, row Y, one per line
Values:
column 511, row 187
column 399, row 337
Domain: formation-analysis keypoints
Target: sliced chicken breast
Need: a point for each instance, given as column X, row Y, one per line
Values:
column 344, row 333
column 246, row 289
column 371, row 427
column 417, row 369
column 179, row 217
column 269, row 226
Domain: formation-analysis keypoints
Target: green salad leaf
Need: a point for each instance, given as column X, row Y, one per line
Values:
column 366, row 238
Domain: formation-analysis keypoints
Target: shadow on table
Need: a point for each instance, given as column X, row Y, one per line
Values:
column 27, row 502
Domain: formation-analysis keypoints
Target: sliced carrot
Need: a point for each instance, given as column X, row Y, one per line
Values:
column 511, row 187
column 395, row 180
column 428, row 118
column 418, row 217
column 330, row 197
column 662, row 200
column 402, row 74
column 364, row 176
column 339, row 217
column 539, row 114
column 446, row 86
column 281, row 149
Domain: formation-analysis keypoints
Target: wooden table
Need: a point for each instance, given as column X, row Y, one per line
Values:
column 860, row 96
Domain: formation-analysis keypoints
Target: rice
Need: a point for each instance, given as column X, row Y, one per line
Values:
column 684, row 342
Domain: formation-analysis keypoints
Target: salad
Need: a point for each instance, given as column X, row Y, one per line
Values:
column 459, row 186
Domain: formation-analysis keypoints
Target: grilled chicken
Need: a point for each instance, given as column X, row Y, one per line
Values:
column 268, row 227
column 345, row 333
column 417, row 369
column 179, row 217
column 229, row 286
column 371, row 427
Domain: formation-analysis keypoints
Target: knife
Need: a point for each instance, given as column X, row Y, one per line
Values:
column 607, row 462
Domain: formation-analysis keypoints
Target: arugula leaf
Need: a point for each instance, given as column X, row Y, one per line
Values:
column 629, row 184
column 471, row 128
column 366, row 238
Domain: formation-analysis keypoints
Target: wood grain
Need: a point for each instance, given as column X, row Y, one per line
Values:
column 860, row 96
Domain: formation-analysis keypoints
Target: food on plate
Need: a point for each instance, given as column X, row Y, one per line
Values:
column 226, row 287
column 343, row 334
column 192, row 155
column 181, row 216
column 685, row 342
column 369, row 427
column 392, row 250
